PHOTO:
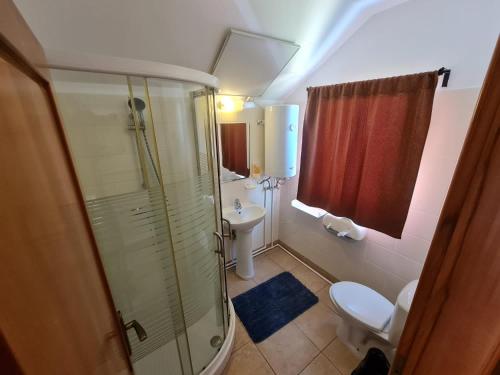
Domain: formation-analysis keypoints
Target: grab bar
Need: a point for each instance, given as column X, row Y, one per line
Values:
column 231, row 234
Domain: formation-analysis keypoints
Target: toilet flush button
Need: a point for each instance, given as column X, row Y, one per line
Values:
column 291, row 127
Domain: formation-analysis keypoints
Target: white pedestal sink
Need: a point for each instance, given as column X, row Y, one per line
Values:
column 243, row 221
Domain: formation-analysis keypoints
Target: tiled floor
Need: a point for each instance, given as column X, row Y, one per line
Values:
column 307, row 345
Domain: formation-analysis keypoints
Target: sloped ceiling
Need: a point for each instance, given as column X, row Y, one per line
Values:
column 396, row 43
column 190, row 32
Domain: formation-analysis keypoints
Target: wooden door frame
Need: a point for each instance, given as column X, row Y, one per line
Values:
column 20, row 47
column 466, row 203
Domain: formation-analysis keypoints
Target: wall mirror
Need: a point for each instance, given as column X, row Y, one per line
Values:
column 234, row 148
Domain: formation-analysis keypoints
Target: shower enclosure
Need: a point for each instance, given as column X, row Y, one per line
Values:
column 145, row 153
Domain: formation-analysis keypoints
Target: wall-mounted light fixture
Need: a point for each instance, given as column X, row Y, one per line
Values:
column 230, row 103
column 249, row 103
column 227, row 103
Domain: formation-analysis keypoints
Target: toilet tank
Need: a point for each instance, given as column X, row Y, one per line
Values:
column 281, row 123
column 400, row 313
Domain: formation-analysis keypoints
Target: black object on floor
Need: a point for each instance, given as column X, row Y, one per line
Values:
column 271, row 305
column 374, row 363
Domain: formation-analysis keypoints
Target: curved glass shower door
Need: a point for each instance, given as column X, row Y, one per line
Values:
column 143, row 150
column 183, row 126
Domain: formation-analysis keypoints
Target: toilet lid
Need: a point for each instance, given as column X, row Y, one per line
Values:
column 362, row 303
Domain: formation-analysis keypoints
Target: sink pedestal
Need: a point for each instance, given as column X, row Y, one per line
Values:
column 244, row 259
column 243, row 220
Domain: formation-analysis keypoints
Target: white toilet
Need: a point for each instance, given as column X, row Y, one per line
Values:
column 368, row 318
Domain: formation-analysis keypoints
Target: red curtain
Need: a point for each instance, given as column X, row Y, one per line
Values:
column 234, row 148
column 361, row 148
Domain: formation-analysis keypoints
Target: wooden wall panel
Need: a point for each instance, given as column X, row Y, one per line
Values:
column 454, row 323
column 17, row 35
column 56, row 312
column 8, row 363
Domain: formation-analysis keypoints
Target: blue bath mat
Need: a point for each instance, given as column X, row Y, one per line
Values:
column 273, row 304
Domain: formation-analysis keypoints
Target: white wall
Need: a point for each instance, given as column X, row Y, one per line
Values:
column 103, row 148
column 379, row 261
column 413, row 37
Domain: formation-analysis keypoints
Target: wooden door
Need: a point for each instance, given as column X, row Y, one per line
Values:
column 454, row 323
column 56, row 312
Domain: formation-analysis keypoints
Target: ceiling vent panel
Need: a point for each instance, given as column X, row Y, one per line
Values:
column 248, row 63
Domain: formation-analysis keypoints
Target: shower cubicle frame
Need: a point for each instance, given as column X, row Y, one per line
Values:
column 147, row 69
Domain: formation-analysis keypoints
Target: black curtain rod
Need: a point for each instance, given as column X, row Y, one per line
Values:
column 445, row 72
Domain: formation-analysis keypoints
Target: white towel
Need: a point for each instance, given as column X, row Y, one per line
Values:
column 344, row 227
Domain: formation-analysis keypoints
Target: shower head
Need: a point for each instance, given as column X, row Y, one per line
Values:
column 139, row 107
column 138, row 103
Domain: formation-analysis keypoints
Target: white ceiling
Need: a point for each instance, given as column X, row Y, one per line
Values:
column 190, row 32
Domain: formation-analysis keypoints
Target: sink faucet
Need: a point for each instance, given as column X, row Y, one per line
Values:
column 237, row 205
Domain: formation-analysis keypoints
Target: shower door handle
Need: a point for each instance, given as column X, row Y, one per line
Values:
column 231, row 234
column 139, row 330
column 133, row 324
column 220, row 243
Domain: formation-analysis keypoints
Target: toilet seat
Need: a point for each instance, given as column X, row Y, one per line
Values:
column 362, row 304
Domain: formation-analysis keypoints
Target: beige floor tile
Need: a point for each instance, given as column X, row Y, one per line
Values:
column 283, row 259
column 241, row 336
column 307, row 277
column 324, row 297
column 237, row 285
column 247, row 361
column 272, row 250
column 320, row 366
column 288, row 351
column 341, row 357
column 265, row 268
column 319, row 323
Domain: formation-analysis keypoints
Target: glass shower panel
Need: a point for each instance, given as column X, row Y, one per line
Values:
column 113, row 147
column 182, row 124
